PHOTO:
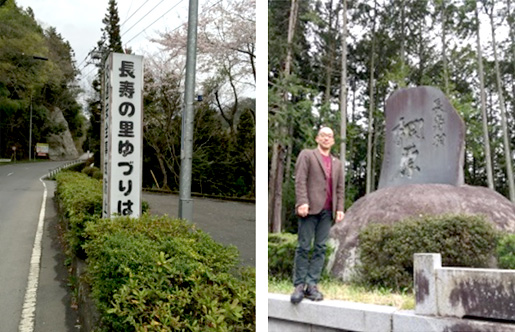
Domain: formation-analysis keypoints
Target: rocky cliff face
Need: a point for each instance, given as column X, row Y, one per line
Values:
column 61, row 146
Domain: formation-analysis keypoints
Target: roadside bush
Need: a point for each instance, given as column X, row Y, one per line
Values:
column 281, row 254
column 386, row 251
column 89, row 170
column 162, row 274
column 506, row 252
column 80, row 199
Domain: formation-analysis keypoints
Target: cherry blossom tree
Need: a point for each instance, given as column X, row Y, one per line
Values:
column 226, row 54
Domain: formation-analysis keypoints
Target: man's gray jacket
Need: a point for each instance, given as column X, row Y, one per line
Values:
column 310, row 182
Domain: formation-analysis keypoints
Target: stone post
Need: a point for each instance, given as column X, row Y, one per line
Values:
column 425, row 283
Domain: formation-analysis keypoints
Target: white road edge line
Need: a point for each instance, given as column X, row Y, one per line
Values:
column 29, row 304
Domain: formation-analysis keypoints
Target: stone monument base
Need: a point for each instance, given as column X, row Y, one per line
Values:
column 392, row 204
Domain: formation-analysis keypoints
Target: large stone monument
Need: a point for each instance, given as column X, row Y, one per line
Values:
column 421, row 174
column 425, row 139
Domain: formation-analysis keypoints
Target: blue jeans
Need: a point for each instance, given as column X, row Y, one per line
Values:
column 315, row 228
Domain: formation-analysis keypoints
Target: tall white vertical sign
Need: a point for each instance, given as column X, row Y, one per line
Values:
column 123, row 135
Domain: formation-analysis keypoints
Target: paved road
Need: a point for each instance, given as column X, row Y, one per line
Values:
column 227, row 222
column 21, row 197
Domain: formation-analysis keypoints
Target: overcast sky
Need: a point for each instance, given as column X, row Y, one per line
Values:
column 80, row 23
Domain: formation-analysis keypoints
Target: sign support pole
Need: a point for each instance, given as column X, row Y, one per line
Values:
column 185, row 201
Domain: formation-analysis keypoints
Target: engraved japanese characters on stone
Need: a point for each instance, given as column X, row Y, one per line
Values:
column 424, row 140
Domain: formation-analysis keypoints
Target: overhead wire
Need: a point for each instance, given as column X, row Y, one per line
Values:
column 142, row 17
column 167, row 13
column 160, row 17
column 143, row 30
column 133, row 13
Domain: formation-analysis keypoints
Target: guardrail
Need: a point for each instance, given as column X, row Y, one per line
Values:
column 53, row 171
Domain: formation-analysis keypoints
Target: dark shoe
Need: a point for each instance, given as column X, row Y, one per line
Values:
column 298, row 294
column 313, row 293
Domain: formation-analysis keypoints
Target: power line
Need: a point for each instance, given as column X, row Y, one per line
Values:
column 160, row 17
column 133, row 13
column 164, row 15
column 142, row 18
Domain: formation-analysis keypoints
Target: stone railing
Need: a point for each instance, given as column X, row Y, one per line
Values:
column 463, row 292
column 448, row 299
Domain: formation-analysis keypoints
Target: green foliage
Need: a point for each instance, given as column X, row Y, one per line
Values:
column 154, row 273
column 386, row 251
column 162, row 274
column 26, row 81
column 223, row 156
column 281, row 254
column 80, row 199
column 506, row 252
column 281, row 251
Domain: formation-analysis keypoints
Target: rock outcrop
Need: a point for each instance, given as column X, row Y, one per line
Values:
column 61, row 146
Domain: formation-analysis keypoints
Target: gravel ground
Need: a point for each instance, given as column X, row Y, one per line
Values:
column 227, row 222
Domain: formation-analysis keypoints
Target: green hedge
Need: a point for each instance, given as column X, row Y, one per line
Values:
column 161, row 274
column 281, row 254
column 93, row 172
column 386, row 251
column 80, row 199
column 506, row 252
column 155, row 273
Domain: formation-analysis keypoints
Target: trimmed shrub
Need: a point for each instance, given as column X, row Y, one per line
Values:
column 386, row 251
column 162, row 274
column 506, row 252
column 80, row 199
column 281, row 254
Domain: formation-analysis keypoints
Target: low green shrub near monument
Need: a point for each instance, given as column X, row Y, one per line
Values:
column 154, row 273
column 506, row 252
column 386, row 251
column 80, row 200
column 281, row 253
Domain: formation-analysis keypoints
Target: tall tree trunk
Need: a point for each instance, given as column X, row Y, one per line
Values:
column 403, row 34
column 278, row 194
column 275, row 187
column 371, row 105
column 343, row 97
column 444, row 49
column 330, row 57
column 507, row 149
column 271, row 184
column 488, row 158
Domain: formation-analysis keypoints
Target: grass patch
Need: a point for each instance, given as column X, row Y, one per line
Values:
column 337, row 290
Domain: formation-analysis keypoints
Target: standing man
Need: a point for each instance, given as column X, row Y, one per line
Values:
column 319, row 200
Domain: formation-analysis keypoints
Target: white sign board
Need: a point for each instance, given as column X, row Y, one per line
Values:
column 123, row 135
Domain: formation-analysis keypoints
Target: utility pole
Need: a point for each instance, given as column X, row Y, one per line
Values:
column 30, row 129
column 35, row 57
column 185, row 201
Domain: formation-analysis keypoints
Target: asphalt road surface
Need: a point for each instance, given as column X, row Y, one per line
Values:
column 33, row 280
column 21, row 197
column 227, row 222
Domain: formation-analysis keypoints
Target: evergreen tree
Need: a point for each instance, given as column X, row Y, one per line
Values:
column 110, row 41
column 112, row 28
